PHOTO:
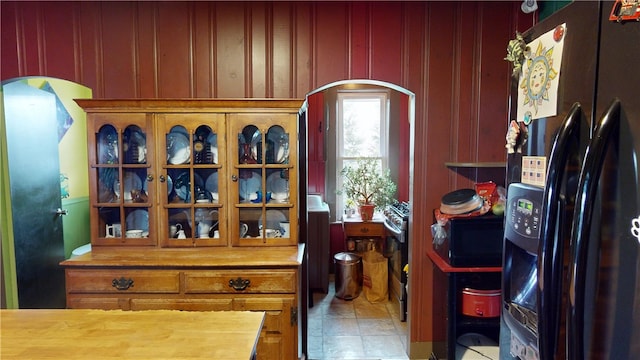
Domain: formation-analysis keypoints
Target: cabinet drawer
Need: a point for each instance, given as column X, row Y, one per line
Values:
column 363, row 229
column 240, row 281
column 184, row 304
column 102, row 302
column 123, row 281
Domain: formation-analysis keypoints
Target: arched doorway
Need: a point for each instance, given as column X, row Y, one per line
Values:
column 321, row 119
column 321, row 111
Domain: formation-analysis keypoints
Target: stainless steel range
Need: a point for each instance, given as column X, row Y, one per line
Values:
column 396, row 222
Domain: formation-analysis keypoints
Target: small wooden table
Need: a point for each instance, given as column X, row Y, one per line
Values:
column 356, row 230
column 154, row 334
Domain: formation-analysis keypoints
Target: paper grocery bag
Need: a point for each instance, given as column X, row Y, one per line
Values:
column 375, row 280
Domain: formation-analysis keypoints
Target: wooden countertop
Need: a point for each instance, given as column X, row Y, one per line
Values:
column 444, row 266
column 246, row 257
column 157, row 334
column 377, row 218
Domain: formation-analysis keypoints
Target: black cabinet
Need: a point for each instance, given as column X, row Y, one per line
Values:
column 459, row 323
column 318, row 248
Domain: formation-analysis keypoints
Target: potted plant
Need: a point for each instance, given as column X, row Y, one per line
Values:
column 349, row 208
column 368, row 186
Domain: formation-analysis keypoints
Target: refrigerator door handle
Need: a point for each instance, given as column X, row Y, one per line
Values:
column 582, row 217
column 549, row 248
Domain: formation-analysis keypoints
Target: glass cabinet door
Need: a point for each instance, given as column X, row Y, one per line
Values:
column 262, row 154
column 121, row 176
column 192, row 196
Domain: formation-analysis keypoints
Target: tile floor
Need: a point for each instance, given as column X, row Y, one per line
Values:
column 354, row 329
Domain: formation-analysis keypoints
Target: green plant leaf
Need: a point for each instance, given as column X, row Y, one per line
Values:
column 364, row 183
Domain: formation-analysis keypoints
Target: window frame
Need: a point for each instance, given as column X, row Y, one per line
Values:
column 384, row 101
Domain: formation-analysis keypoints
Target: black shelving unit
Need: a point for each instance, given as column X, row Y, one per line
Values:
column 480, row 278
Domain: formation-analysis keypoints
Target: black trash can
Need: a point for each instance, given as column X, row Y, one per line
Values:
column 348, row 275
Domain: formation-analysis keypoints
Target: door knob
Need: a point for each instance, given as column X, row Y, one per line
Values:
column 60, row 211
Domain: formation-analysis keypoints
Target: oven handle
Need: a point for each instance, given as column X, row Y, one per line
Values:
column 396, row 233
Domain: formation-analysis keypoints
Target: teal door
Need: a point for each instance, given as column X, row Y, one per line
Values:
column 34, row 180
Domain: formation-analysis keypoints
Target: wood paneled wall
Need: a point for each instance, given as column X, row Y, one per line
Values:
column 450, row 54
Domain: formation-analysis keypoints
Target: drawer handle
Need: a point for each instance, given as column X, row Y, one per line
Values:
column 239, row 283
column 364, row 230
column 122, row 283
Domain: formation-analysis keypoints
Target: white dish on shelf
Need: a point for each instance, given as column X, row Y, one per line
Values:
column 274, row 218
column 280, row 197
column 178, row 149
column 212, row 183
column 212, row 139
column 169, row 185
column 131, row 182
column 277, row 185
column 138, row 219
column 248, row 188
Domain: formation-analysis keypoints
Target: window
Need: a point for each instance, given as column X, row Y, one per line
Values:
column 362, row 123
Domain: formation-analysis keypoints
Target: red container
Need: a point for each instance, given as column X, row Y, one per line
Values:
column 481, row 303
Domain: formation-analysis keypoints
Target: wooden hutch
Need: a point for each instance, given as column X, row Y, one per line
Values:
column 194, row 206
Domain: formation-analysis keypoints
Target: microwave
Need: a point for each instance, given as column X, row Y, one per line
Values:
column 474, row 241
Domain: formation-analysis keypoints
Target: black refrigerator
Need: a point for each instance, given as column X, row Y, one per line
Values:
column 571, row 266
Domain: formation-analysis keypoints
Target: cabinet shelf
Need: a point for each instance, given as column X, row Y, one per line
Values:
column 457, row 279
column 279, row 205
column 477, row 323
column 444, row 266
column 475, row 164
column 136, row 205
column 202, row 166
column 207, row 205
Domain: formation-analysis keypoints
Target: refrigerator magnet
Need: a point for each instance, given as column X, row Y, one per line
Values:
column 625, row 10
column 538, row 84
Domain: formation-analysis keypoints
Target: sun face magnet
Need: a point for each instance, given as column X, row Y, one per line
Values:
column 540, row 76
column 537, row 78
